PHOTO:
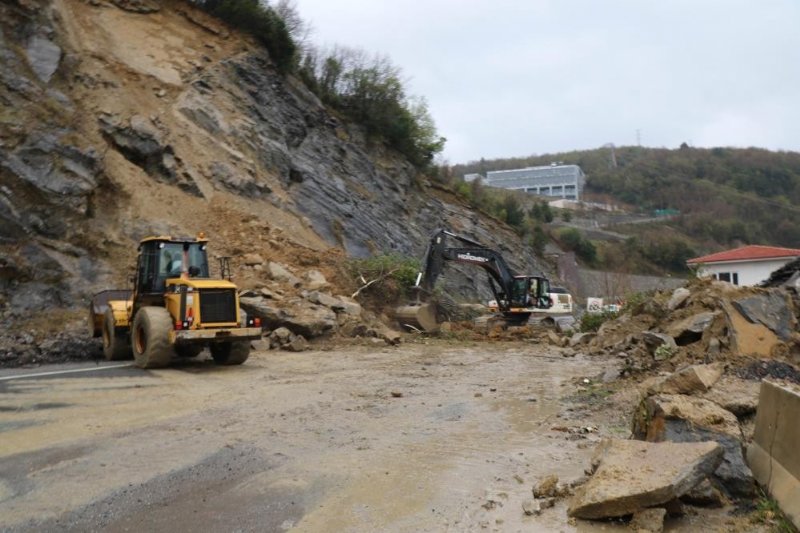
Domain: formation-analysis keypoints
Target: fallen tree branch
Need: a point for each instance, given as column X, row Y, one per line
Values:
column 368, row 283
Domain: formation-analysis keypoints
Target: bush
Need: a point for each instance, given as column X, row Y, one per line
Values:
column 593, row 321
column 370, row 91
column 574, row 240
column 394, row 274
column 260, row 21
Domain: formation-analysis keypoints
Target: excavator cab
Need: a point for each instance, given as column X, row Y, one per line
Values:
column 530, row 291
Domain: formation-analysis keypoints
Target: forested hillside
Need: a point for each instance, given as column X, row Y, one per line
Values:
column 725, row 196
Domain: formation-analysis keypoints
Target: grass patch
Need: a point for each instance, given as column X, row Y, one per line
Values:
column 769, row 513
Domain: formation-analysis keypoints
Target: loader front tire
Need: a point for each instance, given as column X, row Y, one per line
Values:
column 150, row 336
column 116, row 346
column 230, row 353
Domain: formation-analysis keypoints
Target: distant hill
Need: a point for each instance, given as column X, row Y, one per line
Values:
column 725, row 196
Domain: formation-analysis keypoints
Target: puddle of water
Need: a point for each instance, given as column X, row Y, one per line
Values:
column 35, row 407
column 19, row 424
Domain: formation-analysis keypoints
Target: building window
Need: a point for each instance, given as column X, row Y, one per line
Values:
column 730, row 277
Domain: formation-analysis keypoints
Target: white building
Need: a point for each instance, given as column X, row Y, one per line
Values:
column 748, row 265
column 557, row 181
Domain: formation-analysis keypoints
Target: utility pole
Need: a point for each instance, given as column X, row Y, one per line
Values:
column 638, row 137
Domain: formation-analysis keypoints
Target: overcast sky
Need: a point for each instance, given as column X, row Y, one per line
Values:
column 506, row 78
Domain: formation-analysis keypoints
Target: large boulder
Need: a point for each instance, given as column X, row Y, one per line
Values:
column 634, row 475
column 737, row 395
column 747, row 337
column 680, row 418
column 298, row 316
column 771, row 309
column 678, row 298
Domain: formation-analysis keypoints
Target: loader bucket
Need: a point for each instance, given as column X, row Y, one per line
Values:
column 421, row 317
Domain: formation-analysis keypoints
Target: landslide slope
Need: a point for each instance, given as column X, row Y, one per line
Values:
column 124, row 119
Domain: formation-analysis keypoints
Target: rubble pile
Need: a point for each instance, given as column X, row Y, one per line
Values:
column 706, row 347
column 706, row 321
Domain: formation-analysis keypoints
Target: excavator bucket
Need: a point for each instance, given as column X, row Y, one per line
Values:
column 421, row 317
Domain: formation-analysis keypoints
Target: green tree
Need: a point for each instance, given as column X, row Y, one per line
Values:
column 262, row 22
column 539, row 240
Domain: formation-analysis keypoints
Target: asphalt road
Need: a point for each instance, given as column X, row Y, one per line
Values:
column 421, row 437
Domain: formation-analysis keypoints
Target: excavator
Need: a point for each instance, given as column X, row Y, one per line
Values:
column 517, row 296
column 174, row 309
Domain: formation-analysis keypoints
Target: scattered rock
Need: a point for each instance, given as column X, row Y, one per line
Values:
column 280, row 272
column 691, row 380
column 349, row 306
column 325, row 299
column 532, row 507
column 252, row 259
column 654, row 340
column 297, row 344
column 314, row 280
column 554, row 338
column 678, row 299
column 704, row 495
column 546, row 488
column 579, row 339
column 634, row 475
column 648, row 520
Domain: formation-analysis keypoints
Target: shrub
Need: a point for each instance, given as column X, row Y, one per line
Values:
column 593, row 321
column 392, row 276
column 260, row 21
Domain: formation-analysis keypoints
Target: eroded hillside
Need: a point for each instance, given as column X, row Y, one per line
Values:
column 123, row 119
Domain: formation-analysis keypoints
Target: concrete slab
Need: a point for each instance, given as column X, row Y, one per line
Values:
column 773, row 456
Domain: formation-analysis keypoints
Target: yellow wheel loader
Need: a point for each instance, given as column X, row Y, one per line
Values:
column 174, row 309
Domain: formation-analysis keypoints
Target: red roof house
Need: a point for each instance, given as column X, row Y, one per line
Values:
column 748, row 265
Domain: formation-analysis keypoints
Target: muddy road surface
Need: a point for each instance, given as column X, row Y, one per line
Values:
column 420, row 437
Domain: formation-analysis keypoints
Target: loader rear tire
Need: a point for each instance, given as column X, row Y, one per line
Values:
column 116, row 346
column 150, row 336
column 230, row 353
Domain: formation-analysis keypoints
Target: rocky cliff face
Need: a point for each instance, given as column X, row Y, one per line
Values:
column 125, row 119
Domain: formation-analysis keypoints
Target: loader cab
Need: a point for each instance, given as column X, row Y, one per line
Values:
column 163, row 258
